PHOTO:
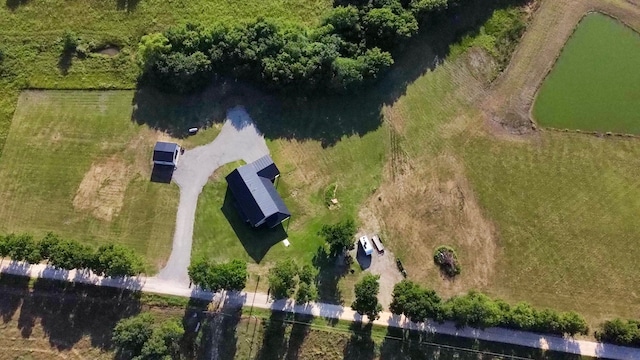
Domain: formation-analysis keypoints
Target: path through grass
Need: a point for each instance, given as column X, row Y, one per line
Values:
column 595, row 84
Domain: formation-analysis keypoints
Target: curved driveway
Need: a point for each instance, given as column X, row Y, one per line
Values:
column 238, row 140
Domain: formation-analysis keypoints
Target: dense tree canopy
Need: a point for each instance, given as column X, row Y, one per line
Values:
column 282, row 279
column 231, row 275
column 350, row 47
column 131, row 334
column 366, row 291
column 340, row 236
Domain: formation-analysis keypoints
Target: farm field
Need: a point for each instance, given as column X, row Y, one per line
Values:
column 595, row 84
column 75, row 164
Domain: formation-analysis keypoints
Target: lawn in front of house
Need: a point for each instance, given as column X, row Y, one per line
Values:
column 76, row 164
column 595, row 84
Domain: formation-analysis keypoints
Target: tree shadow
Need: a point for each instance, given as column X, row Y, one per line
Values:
column 13, row 288
column 360, row 345
column 162, row 173
column 65, row 61
column 330, row 270
column 69, row 311
column 256, row 241
column 176, row 114
column 410, row 344
column 299, row 331
column 274, row 342
column 127, row 5
column 13, row 5
column 324, row 118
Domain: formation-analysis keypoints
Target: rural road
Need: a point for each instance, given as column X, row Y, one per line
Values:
column 260, row 300
column 239, row 139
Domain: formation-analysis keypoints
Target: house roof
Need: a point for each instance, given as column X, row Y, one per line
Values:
column 266, row 168
column 164, row 151
column 256, row 196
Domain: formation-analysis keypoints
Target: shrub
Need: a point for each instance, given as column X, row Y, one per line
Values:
column 447, row 259
column 131, row 334
column 69, row 41
column 620, row 332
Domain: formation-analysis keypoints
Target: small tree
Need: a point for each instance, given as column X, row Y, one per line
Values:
column 340, row 236
column 131, row 334
column 22, row 248
column 282, row 279
column 164, row 342
column 116, row 260
column 366, row 302
column 415, row 302
column 68, row 255
column 47, row 244
column 215, row 277
column 573, row 323
column 69, row 41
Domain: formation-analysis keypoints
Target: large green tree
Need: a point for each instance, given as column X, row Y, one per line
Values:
column 116, row 260
column 231, row 275
column 340, row 236
column 282, row 279
column 131, row 334
column 366, row 291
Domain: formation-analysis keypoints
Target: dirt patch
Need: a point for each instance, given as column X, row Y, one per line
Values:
column 434, row 205
column 110, row 51
column 102, row 189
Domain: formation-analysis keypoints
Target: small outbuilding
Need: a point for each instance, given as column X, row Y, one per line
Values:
column 165, row 153
column 256, row 197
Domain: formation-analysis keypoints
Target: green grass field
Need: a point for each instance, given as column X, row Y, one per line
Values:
column 74, row 163
column 595, row 84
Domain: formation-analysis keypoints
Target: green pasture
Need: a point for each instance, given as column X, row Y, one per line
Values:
column 55, row 139
column 595, row 84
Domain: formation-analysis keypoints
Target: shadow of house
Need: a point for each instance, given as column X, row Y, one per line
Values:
column 256, row 242
column 162, row 173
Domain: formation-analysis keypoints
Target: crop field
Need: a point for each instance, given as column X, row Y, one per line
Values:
column 595, row 85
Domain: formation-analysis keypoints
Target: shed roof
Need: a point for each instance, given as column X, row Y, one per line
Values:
column 164, row 151
column 266, row 168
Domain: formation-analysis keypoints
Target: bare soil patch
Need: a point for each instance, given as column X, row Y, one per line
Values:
column 110, row 51
column 103, row 188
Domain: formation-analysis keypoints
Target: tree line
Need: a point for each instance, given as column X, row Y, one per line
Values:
column 620, row 332
column 107, row 260
column 351, row 46
column 480, row 311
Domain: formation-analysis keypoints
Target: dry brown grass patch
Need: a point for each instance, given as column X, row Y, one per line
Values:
column 102, row 189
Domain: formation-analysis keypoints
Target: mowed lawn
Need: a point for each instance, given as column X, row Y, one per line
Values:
column 595, row 84
column 75, row 164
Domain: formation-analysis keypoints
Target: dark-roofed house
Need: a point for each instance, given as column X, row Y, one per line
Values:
column 256, row 197
column 165, row 153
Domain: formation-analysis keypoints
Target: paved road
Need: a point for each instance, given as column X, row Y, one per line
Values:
column 238, row 139
column 259, row 300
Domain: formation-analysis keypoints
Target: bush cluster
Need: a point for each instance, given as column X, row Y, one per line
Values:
column 350, row 47
column 139, row 338
column 107, row 260
column 285, row 276
column 447, row 259
column 479, row 311
column 620, row 332
column 215, row 277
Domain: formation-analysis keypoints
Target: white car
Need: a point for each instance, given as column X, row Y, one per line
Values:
column 366, row 245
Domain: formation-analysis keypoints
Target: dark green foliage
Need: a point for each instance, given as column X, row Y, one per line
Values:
column 68, row 255
column 447, row 259
column 69, row 41
column 307, row 289
column 231, row 275
column 366, row 291
column 340, row 236
column 47, row 244
column 620, row 332
column 21, row 248
column 116, row 260
column 415, row 302
column 131, row 334
column 478, row 310
column 164, row 342
column 343, row 53
column 282, row 279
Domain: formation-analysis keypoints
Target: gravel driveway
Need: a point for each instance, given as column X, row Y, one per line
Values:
column 238, row 140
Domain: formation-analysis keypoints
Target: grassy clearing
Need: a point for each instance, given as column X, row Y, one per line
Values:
column 595, row 81
column 74, row 163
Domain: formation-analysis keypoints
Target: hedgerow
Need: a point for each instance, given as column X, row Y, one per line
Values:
column 106, row 260
column 480, row 311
